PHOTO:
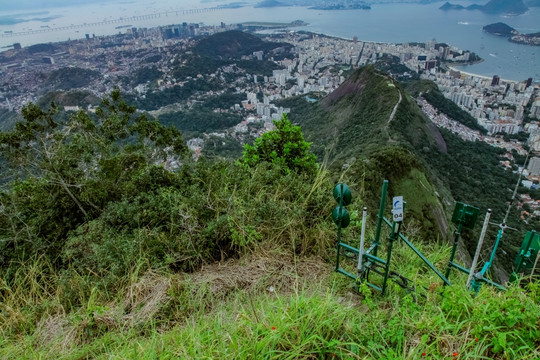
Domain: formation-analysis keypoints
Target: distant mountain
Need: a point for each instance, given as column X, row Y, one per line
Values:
column 505, row 7
column 500, row 29
column 346, row 6
column 269, row 3
column 447, row 6
column 233, row 5
column 511, row 7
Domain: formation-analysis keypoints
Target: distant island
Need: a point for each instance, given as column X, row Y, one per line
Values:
column 508, row 7
column 262, row 24
column 502, row 29
column 233, row 5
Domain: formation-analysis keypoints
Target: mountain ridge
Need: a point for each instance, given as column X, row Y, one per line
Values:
column 369, row 116
column 509, row 7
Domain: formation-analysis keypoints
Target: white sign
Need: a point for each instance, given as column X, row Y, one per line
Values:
column 397, row 208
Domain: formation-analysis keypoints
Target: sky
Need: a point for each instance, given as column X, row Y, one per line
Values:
column 9, row 5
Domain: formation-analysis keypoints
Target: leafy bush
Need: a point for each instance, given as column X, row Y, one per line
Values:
column 285, row 146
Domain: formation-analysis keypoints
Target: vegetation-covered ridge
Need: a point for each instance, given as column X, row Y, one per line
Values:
column 372, row 125
column 235, row 44
column 500, row 29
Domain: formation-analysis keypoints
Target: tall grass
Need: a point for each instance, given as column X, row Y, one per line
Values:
column 265, row 307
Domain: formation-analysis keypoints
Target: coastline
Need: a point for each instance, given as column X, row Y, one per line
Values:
column 455, row 68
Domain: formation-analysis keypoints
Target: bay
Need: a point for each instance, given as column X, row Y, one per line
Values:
column 394, row 23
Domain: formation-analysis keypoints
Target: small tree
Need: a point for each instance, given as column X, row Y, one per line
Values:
column 284, row 146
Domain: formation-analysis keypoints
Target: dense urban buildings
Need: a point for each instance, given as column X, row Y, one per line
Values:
column 318, row 65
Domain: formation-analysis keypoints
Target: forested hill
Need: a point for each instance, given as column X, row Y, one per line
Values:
column 235, row 44
column 366, row 113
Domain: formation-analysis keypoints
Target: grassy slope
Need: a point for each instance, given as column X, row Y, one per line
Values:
column 275, row 306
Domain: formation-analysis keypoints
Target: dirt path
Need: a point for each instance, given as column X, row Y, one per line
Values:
column 395, row 109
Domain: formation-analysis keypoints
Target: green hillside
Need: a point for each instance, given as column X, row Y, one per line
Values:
column 372, row 124
column 81, row 98
column 355, row 118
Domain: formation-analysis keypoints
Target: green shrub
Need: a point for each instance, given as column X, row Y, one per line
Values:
column 285, row 146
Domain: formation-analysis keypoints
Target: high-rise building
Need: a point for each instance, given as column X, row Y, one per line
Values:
column 529, row 82
column 495, row 80
column 534, row 166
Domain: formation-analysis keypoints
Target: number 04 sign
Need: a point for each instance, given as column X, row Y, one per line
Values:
column 397, row 208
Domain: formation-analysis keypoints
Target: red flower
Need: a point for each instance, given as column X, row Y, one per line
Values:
column 455, row 354
column 273, row 328
column 424, row 353
column 476, row 339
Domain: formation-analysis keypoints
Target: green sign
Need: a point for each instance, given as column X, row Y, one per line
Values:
column 528, row 251
column 465, row 214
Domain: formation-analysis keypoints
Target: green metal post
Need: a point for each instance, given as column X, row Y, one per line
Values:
column 472, row 272
column 380, row 217
column 393, row 237
column 457, row 234
column 339, row 229
column 476, row 282
column 529, row 242
column 487, row 265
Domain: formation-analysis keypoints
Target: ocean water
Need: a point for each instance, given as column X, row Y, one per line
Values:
column 383, row 23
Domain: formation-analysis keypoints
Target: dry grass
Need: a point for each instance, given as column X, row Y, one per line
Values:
column 271, row 272
column 144, row 298
column 56, row 333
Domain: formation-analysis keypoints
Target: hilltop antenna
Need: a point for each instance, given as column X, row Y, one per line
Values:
column 516, row 188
